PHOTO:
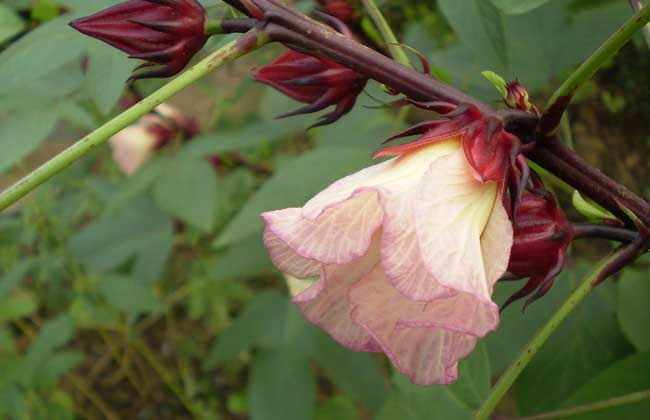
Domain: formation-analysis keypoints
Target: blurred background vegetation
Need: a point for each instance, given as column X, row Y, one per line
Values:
column 151, row 296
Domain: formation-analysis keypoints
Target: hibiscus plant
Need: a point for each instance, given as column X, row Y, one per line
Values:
column 417, row 256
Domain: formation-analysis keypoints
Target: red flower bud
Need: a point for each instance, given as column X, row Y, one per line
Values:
column 316, row 81
column 340, row 9
column 541, row 237
column 517, row 97
column 161, row 32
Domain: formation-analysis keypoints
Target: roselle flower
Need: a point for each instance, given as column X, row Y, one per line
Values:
column 316, row 81
column 166, row 33
column 541, row 237
column 408, row 252
column 138, row 143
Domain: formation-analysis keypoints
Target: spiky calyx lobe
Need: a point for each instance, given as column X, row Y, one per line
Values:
column 164, row 33
column 489, row 149
column 315, row 81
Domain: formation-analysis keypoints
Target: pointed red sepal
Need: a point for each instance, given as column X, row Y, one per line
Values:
column 164, row 33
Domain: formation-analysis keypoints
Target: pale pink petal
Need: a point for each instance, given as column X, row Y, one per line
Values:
column 326, row 305
column 342, row 233
column 400, row 252
column 395, row 174
column 496, row 243
column 452, row 209
column 285, row 259
column 424, row 340
column 132, row 147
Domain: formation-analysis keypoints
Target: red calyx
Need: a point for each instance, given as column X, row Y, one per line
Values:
column 490, row 150
column 541, row 237
column 165, row 33
column 316, row 81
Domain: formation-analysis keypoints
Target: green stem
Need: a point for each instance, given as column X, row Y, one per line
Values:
column 586, row 71
column 247, row 43
column 594, row 406
column 636, row 6
column 394, row 48
column 213, row 27
column 530, row 350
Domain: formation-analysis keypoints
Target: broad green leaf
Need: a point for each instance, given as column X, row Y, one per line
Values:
column 337, row 408
column 12, row 402
column 292, row 185
column 21, row 135
column 567, row 360
column 16, row 307
column 458, row 402
column 10, row 23
column 513, row 7
column 259, row 324
column 282, row 385
column 40, row 52
column 128, row 295
column 625, row 377
column 187, row 189
column 634, row 307
column 358, row 374
column 480, row 26
column 138, row 230
column 108, row 70
column 245, row 259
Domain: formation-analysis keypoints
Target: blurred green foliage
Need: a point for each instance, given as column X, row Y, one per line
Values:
column 152, row 297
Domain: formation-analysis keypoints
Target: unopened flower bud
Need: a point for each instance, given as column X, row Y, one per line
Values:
column 166, row 33
column 517, row 97
column 316, row 81
column 541, row 237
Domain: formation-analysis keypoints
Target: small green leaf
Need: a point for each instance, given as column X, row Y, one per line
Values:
column 590, row 209
column 497, row 81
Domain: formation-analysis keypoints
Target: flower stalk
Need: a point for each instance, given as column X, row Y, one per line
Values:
column 251, row 41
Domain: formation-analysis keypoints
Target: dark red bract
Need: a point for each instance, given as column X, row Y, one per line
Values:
column 316, row 81
column 541, row 237
column 161, row 32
